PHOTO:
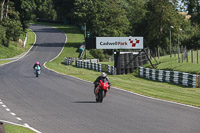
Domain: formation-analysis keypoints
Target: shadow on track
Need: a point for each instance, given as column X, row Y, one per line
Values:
column 49, row 45
column 85, row 102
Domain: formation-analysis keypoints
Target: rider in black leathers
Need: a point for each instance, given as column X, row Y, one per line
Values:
column 36, row 64
column 103, row 76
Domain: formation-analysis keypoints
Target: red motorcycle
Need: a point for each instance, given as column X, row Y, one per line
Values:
column 101, row 90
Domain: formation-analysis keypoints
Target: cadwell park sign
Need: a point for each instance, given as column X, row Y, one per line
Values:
column 119, row 43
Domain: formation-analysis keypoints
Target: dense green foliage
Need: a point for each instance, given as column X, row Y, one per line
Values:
column 156, row 25
column 103, row 17
column 193, row 8
column 63, row 8
column 17, row 14
column 15, row 48
column 148, row 18
column 2, row 35
column 10, row 24
column 45, row 9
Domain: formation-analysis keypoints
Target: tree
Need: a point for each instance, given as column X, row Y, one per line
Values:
column 193, row 8
column 103, row 17
column 161, row 14
column 191, row 36
column 25, row 9
column 7, row 6
column 136, row 11
column 3, row 39
column 2, row 9
column 11, row 25
column 45, row 9
column 63, row 8
column 13, row 29
column 32, row 9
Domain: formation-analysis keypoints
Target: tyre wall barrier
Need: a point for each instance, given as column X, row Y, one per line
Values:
column 68, row 61
column 95, row 66
column 176, row 77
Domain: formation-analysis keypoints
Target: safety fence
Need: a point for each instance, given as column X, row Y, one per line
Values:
column 176, row 77
column 92, row 66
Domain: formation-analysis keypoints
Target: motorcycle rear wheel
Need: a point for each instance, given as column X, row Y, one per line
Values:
column 97, row 100
column 36, row 74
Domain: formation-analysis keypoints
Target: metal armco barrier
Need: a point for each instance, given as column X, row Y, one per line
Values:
column 2, row 129
column 176, row 77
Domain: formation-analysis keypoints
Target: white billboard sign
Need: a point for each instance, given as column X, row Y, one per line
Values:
column 119, row 43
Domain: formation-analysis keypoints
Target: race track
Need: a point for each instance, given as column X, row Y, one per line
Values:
column 55, row 103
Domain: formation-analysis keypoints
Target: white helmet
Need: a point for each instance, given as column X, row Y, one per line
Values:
column 103, row 74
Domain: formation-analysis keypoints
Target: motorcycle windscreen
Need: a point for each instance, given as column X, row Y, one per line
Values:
column 104, row 80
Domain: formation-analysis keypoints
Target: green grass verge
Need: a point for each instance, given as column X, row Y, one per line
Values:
column 108, row 63
column 13, row 50
column 4, row 61
column 16, row 129
column 128, row 82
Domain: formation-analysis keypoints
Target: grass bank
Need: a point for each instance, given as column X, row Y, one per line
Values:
column 167, row 63
column 4, row 61
column 16, row 129
column 15, row 50
column 129, row 82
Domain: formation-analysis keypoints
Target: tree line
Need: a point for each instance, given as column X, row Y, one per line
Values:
column 152, row 19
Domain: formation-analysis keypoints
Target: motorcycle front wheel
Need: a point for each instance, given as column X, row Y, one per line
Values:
column 101, row 96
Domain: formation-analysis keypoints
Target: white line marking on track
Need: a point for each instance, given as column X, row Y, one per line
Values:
column 4, row 105
column 13, row 114
column 18, row 118
column 26, row 126
column 7, row 109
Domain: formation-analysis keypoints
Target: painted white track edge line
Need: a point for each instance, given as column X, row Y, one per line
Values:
column 25, row 125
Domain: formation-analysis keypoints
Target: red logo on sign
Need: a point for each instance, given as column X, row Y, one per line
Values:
column 134, row 43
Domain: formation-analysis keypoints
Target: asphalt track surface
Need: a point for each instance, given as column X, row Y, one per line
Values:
column 55, row 103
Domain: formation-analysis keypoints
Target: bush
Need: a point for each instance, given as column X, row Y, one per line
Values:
column 97, row 54
column 13, row 29
column 3, row 40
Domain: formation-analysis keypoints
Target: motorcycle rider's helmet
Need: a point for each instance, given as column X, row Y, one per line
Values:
column 37, row 63
column 103, row 74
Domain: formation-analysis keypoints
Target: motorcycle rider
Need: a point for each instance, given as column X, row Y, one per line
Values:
column 103, row 76
column 36, row 64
